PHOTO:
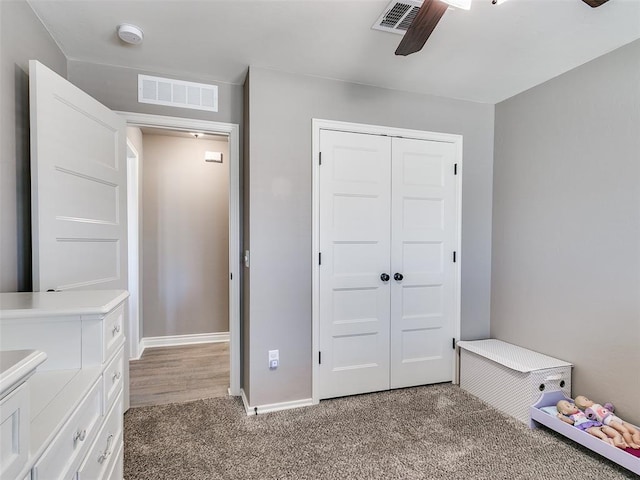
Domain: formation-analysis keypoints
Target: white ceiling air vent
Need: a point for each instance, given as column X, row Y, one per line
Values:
column 177, row 93
column 397, row 17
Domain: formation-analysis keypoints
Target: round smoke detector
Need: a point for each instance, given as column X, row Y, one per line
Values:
column 130, row 33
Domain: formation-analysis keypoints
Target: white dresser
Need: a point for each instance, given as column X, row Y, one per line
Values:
column 64, row 421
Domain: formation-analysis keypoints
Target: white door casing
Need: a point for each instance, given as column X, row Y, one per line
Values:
column 233, row 132
column 78, row 187
column 423, row 224
column 423, row 233
column 133, row 253
column 354, row 235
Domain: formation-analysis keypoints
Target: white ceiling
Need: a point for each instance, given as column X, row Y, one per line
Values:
column 487, row 54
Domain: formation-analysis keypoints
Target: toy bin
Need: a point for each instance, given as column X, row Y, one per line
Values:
column 508, row 377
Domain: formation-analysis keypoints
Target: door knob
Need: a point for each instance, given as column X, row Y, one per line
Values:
column 384, row 277
column 398, row 277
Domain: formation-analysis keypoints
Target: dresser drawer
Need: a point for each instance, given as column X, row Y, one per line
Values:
column 117, row 469
column 113, row 378
column 14, row 432
column 113, row 332
column 106, row 448
column 74, row 438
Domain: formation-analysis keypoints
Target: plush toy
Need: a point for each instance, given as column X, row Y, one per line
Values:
column 569, row 413
column 605, row 415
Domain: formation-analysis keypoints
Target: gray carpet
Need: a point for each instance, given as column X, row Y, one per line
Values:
column 433, row 432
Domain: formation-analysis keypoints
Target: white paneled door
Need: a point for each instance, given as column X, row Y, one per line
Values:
column 423, row 239
column 354, row 234
column 78, row 187
column 388, row 230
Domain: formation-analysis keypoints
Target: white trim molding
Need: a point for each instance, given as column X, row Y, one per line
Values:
column 273, row 407
column 134, row 248
column 175, row 340
column 316, row 126
column 233, row 131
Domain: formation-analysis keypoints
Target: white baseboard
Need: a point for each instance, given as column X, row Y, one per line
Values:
column 139, row 351
column 273, row 407
column 174, row 340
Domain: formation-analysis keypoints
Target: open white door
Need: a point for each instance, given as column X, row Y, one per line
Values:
column 78, row 188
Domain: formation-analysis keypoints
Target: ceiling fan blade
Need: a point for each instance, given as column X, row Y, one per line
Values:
column 420, row 29
column 595, row 3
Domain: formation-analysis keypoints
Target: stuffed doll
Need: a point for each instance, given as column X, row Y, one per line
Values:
column 569, row 413
column 605, row 415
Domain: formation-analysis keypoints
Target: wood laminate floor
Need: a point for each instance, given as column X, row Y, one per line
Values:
column 179, row 374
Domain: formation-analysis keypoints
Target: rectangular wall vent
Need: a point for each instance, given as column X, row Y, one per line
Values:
column 397, row 16
column 177, row 93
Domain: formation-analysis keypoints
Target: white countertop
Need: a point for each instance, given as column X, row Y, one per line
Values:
column 16, row 366
column 72, row 302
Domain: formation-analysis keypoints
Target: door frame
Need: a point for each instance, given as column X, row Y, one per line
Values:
column 133, row 246
column 320, row 124
column 233, row 131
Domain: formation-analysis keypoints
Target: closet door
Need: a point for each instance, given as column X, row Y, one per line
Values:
column 423, row 238
column 354, row 245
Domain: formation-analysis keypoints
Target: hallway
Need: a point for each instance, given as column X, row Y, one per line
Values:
column 179, row 374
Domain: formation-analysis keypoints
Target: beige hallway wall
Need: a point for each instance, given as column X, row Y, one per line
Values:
column 185, row 237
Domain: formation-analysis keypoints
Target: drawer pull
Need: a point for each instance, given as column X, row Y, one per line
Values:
column 116, row 330
column 116, row 376
column 79, row 435
column 103, row 456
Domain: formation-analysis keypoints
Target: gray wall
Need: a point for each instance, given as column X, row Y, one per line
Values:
column 22, row 38
column 185, row 237
column 281, row 108
column 566, row 231
column 117, row 88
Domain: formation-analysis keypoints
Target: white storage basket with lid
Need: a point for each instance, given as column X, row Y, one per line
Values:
column 508, row 377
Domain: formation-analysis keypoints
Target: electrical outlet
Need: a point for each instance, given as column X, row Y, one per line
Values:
column 274, row 359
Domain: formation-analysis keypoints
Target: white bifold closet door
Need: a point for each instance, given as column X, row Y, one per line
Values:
column 387, row 277
column 423, row 239
column 355, row 241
